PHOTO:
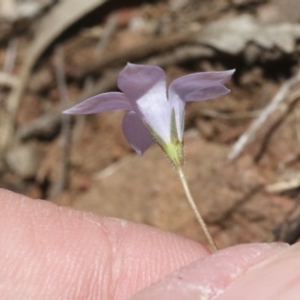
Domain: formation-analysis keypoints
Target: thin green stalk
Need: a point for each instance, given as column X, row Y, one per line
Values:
column 195, row 209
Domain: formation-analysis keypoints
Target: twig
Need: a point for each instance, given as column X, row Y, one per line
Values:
column 8, row 80
column 47, row 125
column 297, row 116
column 43, row 127
column 10, row 57
column 65, row 119
column 65, row 13
column 181, row 54
column 230, row 116
column 150, row 47
column 88, row 88
column 109, row 30
column 249, row 135
column 283, row 186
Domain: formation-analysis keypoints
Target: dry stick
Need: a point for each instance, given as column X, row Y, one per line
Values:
column 249, row 135
column 10, row 57
column 65, row 119
column 7, row 79
column 292, row 183
column 46, row 125
column 230, row 116
column 195, row 209
column 80, row 120
column 297, row 116
column 149, row 47
column 47, row 31
column 109, row 29
column 283, row 186
column 180, row 54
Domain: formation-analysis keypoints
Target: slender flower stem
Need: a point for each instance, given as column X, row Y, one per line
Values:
column 195, row 209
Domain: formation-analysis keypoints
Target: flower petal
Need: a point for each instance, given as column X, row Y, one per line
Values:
column 178, row 106
column 136, row 133
column 156, row 113
column 196, row 87
column 136, row 80
column 145, row 86
column 100, row 103
column 187, row 85
column 208, row 93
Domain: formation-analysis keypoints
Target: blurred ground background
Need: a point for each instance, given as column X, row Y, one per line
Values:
column 56, row 53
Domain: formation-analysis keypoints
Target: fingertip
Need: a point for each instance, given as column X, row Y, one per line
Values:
column 277, row 277
column 211, row 276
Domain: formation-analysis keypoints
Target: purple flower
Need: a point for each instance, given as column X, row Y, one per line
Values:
column 152, row 112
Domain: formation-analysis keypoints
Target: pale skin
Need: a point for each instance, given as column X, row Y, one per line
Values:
column 50, row 252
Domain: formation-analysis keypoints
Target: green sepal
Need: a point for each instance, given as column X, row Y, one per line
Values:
column 174, row 152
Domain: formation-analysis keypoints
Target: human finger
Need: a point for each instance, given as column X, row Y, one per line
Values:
column 213, row 275
column 52, row 252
